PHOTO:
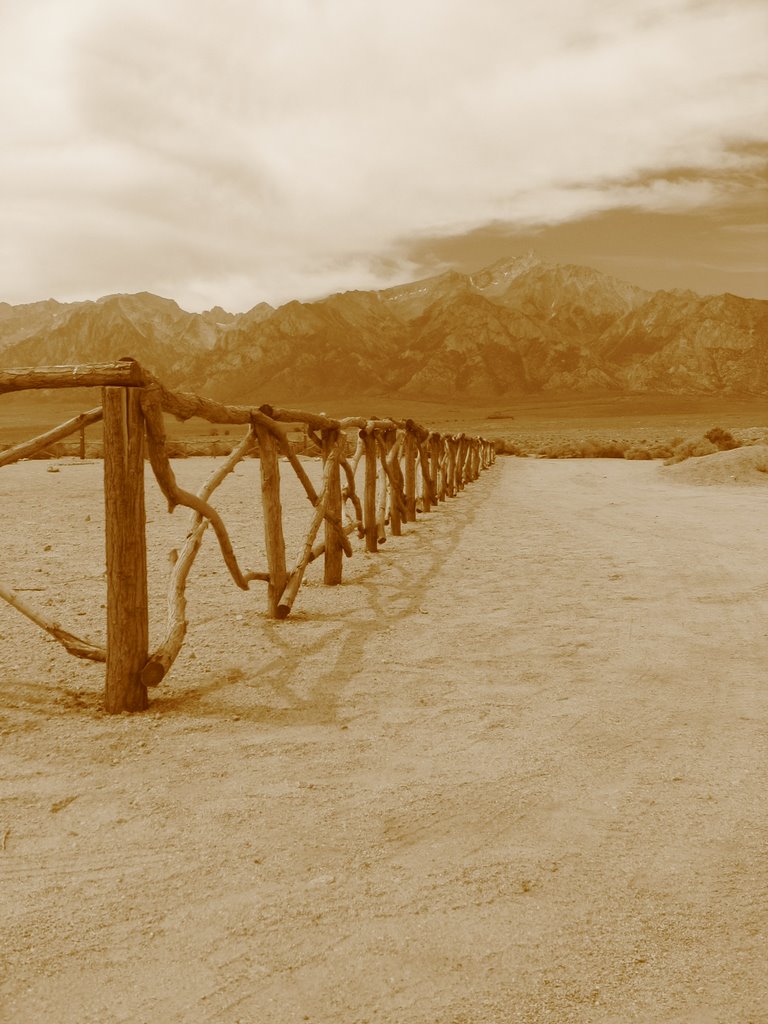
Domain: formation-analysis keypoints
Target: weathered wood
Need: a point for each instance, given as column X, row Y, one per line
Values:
column 389, row 447
column 80, row 647
column 175, row 495
column 443, row 495
column 445, row 465
column 301, row 473
column 316, row 421
column 358, row 453
column 419, row 431
column 369, row 493
column 332, row 566
column 123, row 373
column 450, row 467
column 397, row 475
column 319, row 548
column 294, row 580
column 371, row 423
column 333, row 512
column 435, row 445
column 273, row 519
column 319, row 421
column 456, row 462
column 382, row 488
column 409, row 454
column 166, row 653
column 184, row 405
column 475, row 458
column 427, row 491
column 461, row 461
column 126, row 550
column 40, row 443
column 470, row 462
column 349, row 493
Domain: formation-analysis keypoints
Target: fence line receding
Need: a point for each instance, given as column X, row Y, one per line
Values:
column 407, row 469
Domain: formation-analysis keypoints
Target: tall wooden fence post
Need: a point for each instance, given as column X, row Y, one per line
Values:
column 382, row 483
column 273, row 519
column 332, row 563
column 126, row 550
column 410, row 451
column 461, row 463
column 394, row 486
column 369, row 496
column 450, row 467
column 435, row 445
column 427, row 490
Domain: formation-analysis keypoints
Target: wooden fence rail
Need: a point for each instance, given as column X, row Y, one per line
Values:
column 407, row 469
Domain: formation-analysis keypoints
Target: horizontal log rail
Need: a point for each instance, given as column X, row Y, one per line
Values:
column 408, row 469
column 78, row 646
column 27, row 449
column 126, row 373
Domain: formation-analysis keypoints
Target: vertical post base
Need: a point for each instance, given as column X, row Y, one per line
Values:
column 126, row 543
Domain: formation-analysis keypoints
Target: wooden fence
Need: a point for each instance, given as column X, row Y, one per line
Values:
column 407, row 468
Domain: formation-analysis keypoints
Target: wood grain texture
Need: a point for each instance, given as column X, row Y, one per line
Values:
column 126, row 551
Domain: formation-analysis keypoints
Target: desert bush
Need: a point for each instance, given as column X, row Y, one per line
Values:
column 693, row 449
column 582, row 448
column 723, row 440
column 612, row 449
column 715, row 440
column 674, row 449
column 502, row 447
column 651, row 449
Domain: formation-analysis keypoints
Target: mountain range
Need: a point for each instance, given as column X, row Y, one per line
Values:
column 521, row 326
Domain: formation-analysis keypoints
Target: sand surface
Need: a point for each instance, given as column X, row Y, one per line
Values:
column 513, row 770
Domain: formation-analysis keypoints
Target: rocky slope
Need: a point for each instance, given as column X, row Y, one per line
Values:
column 520, row 326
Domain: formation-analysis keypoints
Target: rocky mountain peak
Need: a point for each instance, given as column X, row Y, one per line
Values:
column 496, row 279
column 520, row 325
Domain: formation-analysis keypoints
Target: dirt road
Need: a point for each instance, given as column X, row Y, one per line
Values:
column 513, row 770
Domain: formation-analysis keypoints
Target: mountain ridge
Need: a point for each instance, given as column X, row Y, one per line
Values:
column 520, row 326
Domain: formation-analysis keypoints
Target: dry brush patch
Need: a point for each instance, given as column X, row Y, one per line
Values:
column 587, row 444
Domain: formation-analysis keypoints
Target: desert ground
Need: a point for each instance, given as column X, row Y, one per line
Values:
column 513, row 769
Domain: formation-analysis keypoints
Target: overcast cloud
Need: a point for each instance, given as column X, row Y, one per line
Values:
column 229, row 151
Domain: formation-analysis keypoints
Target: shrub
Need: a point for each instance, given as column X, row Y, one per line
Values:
column 508, row 448
column 691, row 450
column 723, row 440
column 715, row 440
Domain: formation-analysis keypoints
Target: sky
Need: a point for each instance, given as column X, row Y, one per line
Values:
column 227, row 152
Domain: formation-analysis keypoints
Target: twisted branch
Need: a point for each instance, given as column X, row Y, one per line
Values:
column 175, row 495
column 76, row 645
column 159, row 663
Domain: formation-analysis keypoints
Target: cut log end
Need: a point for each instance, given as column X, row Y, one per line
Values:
column 153, row 673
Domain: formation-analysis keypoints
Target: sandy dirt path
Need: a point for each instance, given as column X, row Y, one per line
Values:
column 514, row 770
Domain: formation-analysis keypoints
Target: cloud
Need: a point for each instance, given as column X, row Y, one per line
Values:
column 230, row 151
